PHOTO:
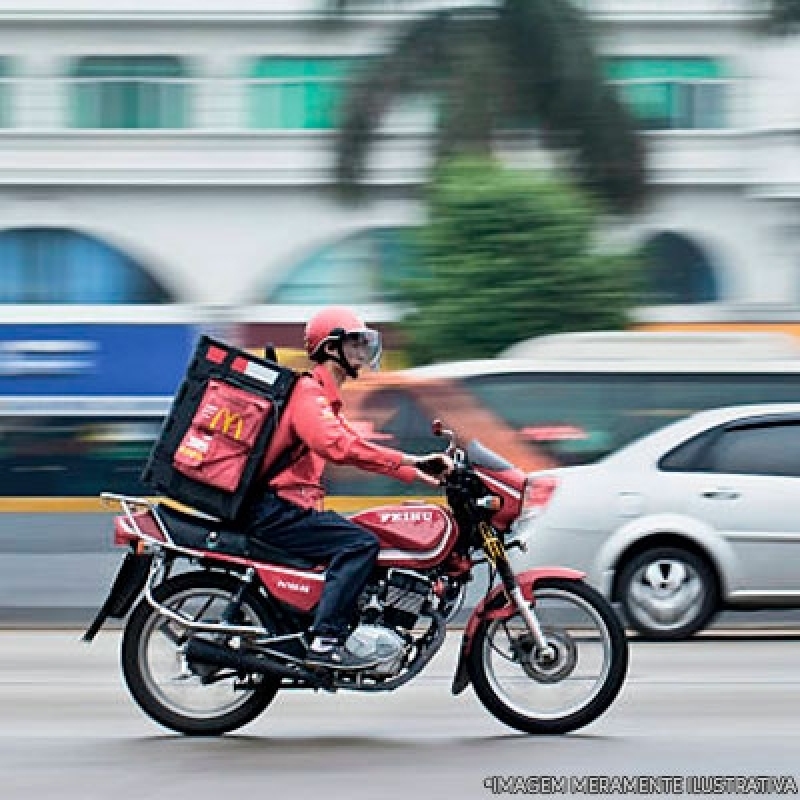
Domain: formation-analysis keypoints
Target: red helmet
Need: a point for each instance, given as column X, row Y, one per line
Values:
column 335, row 325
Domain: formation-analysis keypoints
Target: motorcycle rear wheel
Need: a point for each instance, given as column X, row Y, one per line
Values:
column 164, row 685
column 559, row 696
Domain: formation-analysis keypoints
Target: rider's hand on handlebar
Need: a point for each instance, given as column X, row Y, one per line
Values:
column 436, row 465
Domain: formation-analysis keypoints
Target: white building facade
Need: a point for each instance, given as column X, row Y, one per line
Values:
column 183, row 151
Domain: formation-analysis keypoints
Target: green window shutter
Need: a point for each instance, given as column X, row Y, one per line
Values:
column 138, row 99
column 680, row 93
column 627, row 69
column 5, row 92
column 288, row 93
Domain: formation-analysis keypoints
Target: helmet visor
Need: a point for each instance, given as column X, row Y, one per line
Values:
column 366, row 345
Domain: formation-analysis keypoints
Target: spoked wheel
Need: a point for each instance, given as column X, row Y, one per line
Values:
column 565, row 689
column 188, row 698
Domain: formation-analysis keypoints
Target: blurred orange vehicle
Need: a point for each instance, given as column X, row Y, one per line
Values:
column 397, row 409
column 537, row 412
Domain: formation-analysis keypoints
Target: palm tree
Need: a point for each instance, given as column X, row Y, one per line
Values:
column 530, row 61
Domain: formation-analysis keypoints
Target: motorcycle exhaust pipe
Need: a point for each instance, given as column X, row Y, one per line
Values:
column 218, row 655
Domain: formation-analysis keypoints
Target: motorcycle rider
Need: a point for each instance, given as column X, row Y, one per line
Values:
column 312, row 431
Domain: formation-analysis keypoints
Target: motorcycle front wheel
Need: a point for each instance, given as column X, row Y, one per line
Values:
column 188, row 698
column 575, row 685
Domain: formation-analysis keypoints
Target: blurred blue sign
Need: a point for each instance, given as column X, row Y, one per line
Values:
column 94, row 359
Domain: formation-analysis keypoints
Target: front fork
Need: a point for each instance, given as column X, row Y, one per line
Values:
column 515, row 595
column 497, row 555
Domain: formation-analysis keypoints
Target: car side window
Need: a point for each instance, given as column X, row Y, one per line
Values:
column 757, row 450
column 688, row 456
column 573, row 418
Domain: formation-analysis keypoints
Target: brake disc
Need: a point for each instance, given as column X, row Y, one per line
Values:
column 546, row 669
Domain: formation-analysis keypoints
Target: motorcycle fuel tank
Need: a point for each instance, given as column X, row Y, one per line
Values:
column 412, row 534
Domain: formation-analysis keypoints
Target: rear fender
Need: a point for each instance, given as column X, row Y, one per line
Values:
column 127, row 586
column 497, row 605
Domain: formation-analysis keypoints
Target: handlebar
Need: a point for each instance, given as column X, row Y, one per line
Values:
column 452, row 450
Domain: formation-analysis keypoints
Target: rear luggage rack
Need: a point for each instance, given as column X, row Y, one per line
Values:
column 129, row 505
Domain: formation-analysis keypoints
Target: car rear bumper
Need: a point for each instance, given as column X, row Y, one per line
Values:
column 563, row 547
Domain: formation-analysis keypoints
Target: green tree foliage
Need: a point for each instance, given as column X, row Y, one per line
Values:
column 508, row 255
column 522, row 64
column 784, row 16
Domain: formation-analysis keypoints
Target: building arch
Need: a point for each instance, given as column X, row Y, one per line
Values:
column 678, row 270
column 55, row 265
column 362, row 267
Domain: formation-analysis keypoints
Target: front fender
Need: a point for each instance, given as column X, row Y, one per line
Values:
column 498, row 605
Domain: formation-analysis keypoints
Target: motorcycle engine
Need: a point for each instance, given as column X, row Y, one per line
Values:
column 376, row 641
column 403, row 598
column 387, row 610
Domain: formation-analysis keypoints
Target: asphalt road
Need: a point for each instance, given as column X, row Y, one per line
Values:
column 711, row 707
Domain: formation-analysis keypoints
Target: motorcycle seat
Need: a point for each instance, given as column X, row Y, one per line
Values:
column 201, row 533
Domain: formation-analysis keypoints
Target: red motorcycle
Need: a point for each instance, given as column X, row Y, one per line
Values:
column 219, row 626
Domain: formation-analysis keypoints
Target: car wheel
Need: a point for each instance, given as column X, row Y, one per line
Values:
column 667, row 593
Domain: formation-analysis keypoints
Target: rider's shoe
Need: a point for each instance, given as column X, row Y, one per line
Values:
column 335, row 655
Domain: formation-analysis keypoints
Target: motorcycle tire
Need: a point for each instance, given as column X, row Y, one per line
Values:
column 487, row 686
column 138, row 671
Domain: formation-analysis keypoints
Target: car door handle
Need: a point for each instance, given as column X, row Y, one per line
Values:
column 721, row 494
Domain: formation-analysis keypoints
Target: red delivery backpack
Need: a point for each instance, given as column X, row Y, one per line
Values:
column 214, row 438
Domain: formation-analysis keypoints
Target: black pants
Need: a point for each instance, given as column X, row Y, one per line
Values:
column 349, row 550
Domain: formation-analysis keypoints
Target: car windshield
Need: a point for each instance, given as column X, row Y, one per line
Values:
column 480, row 456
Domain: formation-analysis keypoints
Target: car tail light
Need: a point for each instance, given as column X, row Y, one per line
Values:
column 538, row 493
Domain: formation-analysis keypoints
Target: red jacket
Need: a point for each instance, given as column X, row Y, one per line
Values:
column 312, row 416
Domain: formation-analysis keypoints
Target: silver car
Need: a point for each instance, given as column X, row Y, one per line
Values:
column 698, row 516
